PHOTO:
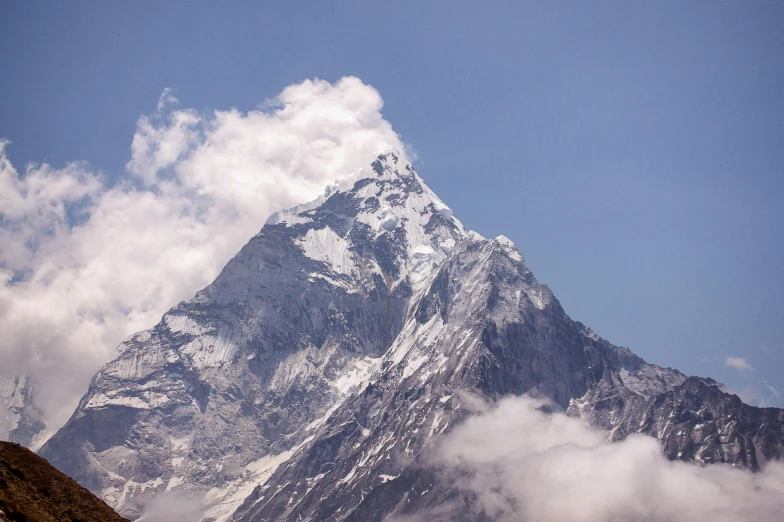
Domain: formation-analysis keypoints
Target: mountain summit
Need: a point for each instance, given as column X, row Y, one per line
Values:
column 309, row 379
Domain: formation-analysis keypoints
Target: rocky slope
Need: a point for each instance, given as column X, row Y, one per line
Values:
column 695, row 420
column 309, row 380
column 32, row 490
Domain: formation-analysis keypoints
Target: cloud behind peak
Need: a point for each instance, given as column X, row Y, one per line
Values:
column 85, row 263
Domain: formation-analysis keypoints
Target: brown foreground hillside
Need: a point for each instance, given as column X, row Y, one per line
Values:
column 32, row 490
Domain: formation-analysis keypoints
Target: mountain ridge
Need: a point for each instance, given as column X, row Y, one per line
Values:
column 338, row 343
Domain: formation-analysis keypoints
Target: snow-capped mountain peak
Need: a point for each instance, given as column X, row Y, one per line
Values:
column 386, row 202
column 307, row 380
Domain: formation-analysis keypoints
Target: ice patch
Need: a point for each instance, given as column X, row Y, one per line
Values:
column 221, row 502
column 509, row 247
column 334, row 282
column 413, row 363
column 288, row 218
column 348, row 477
column 356, row 375
column 143, row 401
column 174, row 482
column 183, row 324
column 387, row 219
column 435, row 424
column 211, row 350
column 447, row 245
column 505, row 241
column 535, row 296
column 326, row 246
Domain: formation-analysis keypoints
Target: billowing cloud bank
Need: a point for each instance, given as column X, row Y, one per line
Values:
column 83, row 263
column 522, row 464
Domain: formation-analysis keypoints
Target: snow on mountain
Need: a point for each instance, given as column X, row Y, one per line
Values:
column 310, row 379
column 20, row 420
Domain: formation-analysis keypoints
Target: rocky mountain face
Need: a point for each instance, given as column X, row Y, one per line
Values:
column 695, row 420
column 20, row 420
column 309, row 381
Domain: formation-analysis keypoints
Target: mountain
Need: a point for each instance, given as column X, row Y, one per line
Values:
column 31, row 489
column 309, row 380
column 20, row 420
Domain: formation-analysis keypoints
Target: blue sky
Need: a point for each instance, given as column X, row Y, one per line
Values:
column 634, row 151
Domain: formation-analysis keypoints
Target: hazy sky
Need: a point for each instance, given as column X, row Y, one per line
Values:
column 634, row 151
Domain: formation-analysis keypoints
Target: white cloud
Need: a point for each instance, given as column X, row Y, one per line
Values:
column 172, row 506
column 166, row 98
column 84, row 264
column 522, row 464
column 739, row 363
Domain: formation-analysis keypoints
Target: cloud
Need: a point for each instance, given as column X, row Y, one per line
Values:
column 739, row 363
column 749, row 395
column 166, row 98
column 173, row 506
column 85, row 263
column 522, row 464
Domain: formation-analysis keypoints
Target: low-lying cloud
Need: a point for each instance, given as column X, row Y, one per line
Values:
column 522, row 464
column 173, row 506
column 84, row 263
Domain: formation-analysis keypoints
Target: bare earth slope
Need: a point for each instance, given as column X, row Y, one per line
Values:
column 32, row 490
